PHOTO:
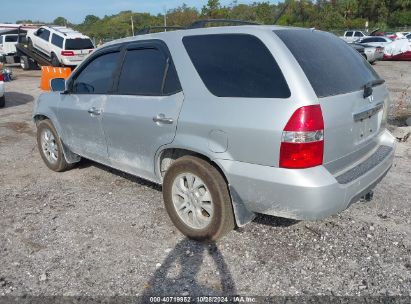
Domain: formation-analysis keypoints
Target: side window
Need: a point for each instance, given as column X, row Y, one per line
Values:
column 57, row 40
column 236, row 65
column 45, row 34
column 348, row 34
column 97, row 76
column 358, row 34
column 143, row 73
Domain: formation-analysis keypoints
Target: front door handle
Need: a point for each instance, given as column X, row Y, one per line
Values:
column 94, row 111
column 162, row 119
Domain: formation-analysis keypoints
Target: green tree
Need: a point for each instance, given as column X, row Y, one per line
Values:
column 60, row 21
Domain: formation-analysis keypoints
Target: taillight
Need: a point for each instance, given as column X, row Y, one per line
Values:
column 1, row 76
column 302, row 142
column 67, row 53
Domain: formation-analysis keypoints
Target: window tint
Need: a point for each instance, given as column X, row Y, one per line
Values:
column 143, row 73
column 45, row 34
column 358, row 34
column 11, row 38
column 97, row 76
column 79, row 44
column 236, row 65
column 348, row 34
column 57, row 40
column 330, row 64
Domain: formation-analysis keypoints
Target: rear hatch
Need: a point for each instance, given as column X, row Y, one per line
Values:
column 80, row 47
column 351, row 94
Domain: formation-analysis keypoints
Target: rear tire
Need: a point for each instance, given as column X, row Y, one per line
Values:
column 2, row 101
column 197, row 199
column 50, row 147
column 54, row 60
column 25, row 63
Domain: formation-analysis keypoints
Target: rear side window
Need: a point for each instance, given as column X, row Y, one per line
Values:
column 11, row 39
column 348, row 34
column 78, row 44
column 236, row 65
column 330, row 64
column 144, row 73
column 57, row 40
column 97, row 76
column 358, row 34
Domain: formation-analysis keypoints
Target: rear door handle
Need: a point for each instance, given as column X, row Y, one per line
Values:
column 162, row 119
column 94, row 111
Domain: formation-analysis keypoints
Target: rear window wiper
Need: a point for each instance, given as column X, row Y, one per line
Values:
column 369, row 85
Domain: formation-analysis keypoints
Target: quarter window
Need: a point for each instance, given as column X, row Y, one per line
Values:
column 236, row 65
column 97, row 76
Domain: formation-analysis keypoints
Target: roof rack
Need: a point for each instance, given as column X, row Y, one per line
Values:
column 202, row 23
column 194, row 25
column 62, row 29
column 148, row 29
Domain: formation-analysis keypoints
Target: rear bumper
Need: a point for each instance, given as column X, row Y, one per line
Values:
column 304, row 194
column 69, row 61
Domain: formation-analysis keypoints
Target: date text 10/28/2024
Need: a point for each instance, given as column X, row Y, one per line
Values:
column 203, row 299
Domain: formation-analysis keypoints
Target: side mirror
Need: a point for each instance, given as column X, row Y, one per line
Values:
column 58, row 84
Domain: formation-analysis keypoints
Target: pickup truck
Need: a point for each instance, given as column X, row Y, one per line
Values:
column 352, row 36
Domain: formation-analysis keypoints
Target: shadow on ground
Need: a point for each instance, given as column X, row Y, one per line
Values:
column 14, row 99
column 180, row 272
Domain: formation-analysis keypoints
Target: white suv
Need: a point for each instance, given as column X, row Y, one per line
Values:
column 64, row 46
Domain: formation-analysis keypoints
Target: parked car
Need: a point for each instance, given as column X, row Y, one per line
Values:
column 372, row 53
column 62, row 45
column 8, row 44
column 2, row 97
column 352, row 36
column 376, row 41
column 232, row 121
column 360, row 49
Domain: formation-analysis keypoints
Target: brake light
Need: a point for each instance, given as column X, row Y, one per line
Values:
column 1, row 76
column 302, row 143
column 67, row 53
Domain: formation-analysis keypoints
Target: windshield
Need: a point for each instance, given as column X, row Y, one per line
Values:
column 79, row 44
column 330, row 64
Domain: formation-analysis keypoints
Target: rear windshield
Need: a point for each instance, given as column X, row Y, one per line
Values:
column 79, row 44
column 330, row 64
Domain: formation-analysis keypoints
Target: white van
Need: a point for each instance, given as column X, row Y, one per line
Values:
column 8, row 44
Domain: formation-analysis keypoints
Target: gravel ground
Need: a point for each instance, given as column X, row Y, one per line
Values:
column 96, row 231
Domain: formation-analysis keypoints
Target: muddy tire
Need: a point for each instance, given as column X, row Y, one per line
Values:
column 197, row 199
column 50, row 147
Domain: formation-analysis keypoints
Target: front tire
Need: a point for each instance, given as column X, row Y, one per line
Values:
column 197, row 199
column 50, row 147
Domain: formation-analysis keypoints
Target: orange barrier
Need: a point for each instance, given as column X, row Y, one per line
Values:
column 49, row 72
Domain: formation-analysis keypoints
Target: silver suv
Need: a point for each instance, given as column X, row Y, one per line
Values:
column 232, row 121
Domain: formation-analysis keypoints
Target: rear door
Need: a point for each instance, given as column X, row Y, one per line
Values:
column 142, row 114
column 80, row 47
column 338, row 74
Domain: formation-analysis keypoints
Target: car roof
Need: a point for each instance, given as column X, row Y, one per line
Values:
column 179, row 34
column 66, row 31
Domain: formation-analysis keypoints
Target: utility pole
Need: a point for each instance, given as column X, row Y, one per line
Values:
column 165, row 18
column 132, row 24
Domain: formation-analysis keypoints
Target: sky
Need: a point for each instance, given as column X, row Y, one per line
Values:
column 76, row 10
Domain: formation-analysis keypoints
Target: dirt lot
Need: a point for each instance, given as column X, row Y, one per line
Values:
column 95, row 231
